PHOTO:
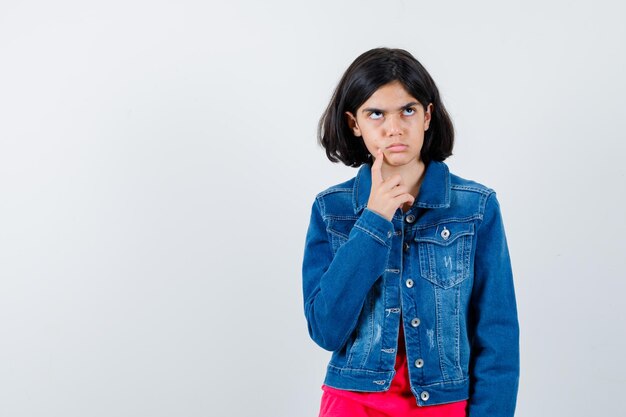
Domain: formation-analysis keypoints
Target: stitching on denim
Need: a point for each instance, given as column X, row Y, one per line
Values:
column 351, row 352
column 356, row 370
column 424, row 205
column 446, row 220
column 457, row 345
column 341, row 217
column 438, row 319
column 392, row 310
column 355, row 191
column 439, row 243
column 445, row 383
column 333, row 190
column 320, row 201
column 372, row 235
column 370, row 335
column 336, row 233
column 322, row 209
column 428, row 261
column 486, row 190
column 448, row 185
column 483, row 204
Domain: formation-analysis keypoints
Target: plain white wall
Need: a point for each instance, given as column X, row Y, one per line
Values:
column 158, row 162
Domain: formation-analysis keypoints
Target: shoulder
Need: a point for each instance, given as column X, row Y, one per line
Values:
column 472, row 194
column 337, row 200
column 461, row 184
column 340, row 188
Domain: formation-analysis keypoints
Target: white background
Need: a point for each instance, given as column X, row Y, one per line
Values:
column 158, row 162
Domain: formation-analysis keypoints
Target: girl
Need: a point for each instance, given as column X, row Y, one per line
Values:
column 406, row 270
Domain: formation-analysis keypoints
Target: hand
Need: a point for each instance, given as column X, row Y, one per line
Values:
column 387, row 195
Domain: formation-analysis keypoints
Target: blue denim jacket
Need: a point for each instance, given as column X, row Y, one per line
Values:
column 443, row 267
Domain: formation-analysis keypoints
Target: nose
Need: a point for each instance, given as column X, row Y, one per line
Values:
column 393, row 125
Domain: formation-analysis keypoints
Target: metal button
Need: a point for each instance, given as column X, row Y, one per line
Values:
column 445, row 233
column 410, row 218
column 419, row 363
column 424, row 395
column 415, row 322
column 406, row 246
column 409, row 283
column 389, row 234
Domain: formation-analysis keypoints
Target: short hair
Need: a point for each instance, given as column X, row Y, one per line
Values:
column 364, row 76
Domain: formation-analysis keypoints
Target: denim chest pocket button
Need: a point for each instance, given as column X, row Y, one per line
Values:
column 444, row 252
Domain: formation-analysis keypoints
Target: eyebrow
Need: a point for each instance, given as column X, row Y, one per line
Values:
column 375, row 110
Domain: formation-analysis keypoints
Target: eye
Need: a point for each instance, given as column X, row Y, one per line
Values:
column 410, row 111
column 376, row 115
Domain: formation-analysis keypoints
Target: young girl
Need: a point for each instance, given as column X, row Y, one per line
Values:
column 406, row 270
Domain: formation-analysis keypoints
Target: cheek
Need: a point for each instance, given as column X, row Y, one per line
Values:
column 370, row 140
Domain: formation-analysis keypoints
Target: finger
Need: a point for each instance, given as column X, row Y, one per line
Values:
column 377, row 172
column 394, row 180
column 399, row 190
column 404, row 198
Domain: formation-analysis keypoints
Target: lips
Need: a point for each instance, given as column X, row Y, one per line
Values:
column 397, row 147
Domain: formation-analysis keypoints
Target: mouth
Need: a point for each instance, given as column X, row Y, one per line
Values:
column 397, row 147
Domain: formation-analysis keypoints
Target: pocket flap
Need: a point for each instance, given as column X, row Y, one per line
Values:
column 444, row 233
column 341, row 227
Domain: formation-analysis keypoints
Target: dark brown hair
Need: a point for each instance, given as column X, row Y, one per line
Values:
column 364, row 76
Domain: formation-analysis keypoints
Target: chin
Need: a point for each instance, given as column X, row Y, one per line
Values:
column 401, row 158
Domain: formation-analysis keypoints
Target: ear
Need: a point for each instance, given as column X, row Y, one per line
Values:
column 352, row 124
column 428, row 115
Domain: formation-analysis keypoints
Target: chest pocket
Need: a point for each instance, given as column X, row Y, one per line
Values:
column 339, row 230
column 444, row 252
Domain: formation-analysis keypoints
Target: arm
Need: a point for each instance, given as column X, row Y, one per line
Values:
column 494, row 366
column 335, row 288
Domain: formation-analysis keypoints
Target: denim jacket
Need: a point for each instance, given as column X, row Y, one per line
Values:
column 443, row 268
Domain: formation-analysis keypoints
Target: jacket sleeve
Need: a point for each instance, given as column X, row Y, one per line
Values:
column 494, row 366
column 335, row 287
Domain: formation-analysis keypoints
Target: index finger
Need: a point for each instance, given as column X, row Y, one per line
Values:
column 377, row 173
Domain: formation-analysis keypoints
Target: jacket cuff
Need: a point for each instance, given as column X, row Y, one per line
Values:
column 376, row 226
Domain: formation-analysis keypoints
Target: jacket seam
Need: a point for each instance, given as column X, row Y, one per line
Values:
column 382, row 242
column 483, row 207
column 333, row 190
column 484, row 191
column 447, row 220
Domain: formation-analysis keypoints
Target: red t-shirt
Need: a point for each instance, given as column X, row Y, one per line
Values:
column 397, row 401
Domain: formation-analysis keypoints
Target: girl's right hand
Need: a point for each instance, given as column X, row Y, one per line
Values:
column 387, row 195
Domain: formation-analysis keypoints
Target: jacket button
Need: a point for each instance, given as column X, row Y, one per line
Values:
column 445, row 233
column 424, row 395
column 419, row 363
column 409, row 283
column 406, row 246
column 410, row 218
column 415, row 322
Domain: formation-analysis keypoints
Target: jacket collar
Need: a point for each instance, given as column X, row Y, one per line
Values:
column 434, row 191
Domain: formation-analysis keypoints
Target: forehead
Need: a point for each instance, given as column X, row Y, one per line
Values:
column 393, row 94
